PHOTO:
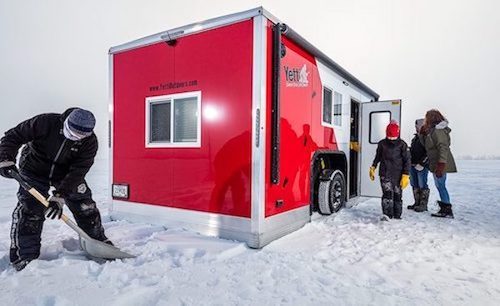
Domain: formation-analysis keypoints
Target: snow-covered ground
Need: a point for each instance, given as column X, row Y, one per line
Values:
column 347, row 259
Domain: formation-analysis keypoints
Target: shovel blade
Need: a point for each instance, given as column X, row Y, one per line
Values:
column 99, row 249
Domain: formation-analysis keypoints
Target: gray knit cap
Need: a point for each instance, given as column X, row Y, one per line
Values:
column 81, row 121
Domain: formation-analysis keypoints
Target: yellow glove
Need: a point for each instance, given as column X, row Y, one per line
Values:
column 405, row 179
column 354, row 145
column 372, row 173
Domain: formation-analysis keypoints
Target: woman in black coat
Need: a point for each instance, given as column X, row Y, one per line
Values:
column 419, row 170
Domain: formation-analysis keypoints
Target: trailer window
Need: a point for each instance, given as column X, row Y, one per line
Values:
column 337, row 109
column 378, row 123
column 173, row 120
column 327, row 106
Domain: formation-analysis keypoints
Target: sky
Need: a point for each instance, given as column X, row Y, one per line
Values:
column 440, row 54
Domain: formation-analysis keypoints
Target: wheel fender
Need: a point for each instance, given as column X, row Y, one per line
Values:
column 328, row 174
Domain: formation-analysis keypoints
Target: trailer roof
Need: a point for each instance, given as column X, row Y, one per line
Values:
column 237, row 17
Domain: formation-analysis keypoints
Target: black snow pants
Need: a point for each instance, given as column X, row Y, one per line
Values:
column 29, row 215
column 392, row 203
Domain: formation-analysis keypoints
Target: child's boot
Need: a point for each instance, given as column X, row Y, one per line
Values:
column 388, row 207
column 398, row 210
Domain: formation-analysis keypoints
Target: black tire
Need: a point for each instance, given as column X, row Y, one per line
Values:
column 331, row 192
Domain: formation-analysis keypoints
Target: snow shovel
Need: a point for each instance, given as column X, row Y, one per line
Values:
column 93, row 247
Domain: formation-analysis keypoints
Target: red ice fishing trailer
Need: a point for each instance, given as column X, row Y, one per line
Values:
column 237, row 127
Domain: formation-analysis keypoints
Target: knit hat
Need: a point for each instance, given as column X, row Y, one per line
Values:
column 80, row 122
column 392, row 130
column 419, row 123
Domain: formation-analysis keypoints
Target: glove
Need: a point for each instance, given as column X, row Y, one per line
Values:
column 419, row 167
column 405, row 179
column 6, row 167
column 55, row 209
column 372, row 173
column 354, row 145
column 440, row 169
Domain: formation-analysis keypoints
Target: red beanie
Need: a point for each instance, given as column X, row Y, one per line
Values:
column 392, row 129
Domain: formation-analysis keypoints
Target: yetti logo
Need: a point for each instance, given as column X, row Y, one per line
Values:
column 296, row 77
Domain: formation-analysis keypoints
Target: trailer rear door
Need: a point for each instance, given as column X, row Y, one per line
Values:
column 374, row 119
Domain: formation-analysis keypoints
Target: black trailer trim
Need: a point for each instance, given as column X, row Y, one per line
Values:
column 275, row 104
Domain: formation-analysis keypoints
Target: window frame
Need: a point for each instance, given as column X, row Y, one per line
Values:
column 171, row 99
column 323, row 122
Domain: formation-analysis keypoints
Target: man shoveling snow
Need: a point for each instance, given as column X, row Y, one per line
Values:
column 59, row 151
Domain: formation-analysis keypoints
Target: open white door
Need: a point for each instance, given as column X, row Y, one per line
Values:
column 375, row 116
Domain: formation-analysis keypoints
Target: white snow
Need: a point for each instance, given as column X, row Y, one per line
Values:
column 349, row 258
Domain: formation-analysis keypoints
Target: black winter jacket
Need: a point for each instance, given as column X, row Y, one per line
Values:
column 394, row 159
column 417, row 151
column 48, row 155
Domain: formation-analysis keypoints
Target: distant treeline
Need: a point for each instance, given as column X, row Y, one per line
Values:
column 479, row 157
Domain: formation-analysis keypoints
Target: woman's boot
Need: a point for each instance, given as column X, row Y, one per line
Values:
column 416, row 195
column 445, row 212
column 441, row 207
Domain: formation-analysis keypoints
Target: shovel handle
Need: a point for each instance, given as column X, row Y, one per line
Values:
column 37, row 195
column 26, row 186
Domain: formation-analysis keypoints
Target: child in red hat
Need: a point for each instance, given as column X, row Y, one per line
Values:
column 394, row 158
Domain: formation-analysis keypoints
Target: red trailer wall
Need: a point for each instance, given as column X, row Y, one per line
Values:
column 216, row 177
column 301, row 132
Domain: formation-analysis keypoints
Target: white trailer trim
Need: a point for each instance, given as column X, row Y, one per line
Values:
column 259, row 79
column 193, row 28
column 283, row 224
column 210, row 224
column 110, row 128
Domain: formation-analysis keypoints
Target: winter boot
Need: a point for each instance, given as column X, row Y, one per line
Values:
column 441, row 207
column 21, row 264
column 424, row 199
column 416, row 195
column 385, row 218
column 445, row 212
column 388, row 207
column 398, row 209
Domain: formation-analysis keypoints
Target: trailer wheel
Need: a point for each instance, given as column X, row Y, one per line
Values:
column 331, row 192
